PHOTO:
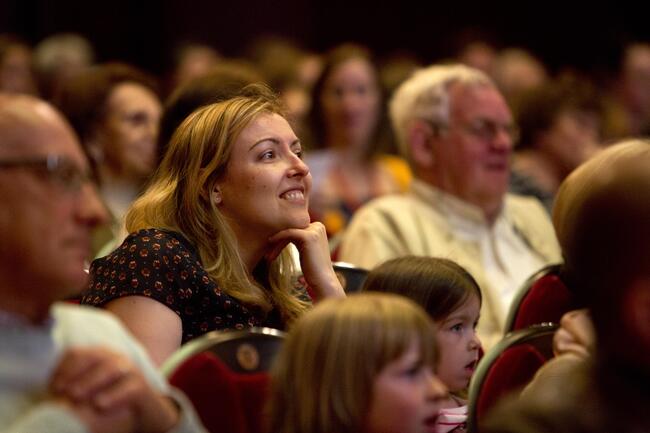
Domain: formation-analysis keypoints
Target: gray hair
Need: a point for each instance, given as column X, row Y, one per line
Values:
column 425, row 96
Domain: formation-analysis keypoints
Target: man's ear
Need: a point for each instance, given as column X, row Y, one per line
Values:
column 420, row 136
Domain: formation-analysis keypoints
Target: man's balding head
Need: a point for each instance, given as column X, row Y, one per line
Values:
column 48, row 207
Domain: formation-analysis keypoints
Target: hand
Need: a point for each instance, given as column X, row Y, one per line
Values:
column 99, row 383
column 575, row 335
column 120, row 420
column 315, row 258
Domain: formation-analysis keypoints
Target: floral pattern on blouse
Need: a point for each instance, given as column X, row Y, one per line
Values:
column 164, row 266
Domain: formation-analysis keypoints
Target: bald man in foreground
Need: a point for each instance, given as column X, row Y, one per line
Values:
column 63, row 368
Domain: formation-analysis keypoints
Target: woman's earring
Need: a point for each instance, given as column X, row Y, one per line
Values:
column 216, row 196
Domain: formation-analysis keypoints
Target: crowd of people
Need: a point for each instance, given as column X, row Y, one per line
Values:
column 219, row 198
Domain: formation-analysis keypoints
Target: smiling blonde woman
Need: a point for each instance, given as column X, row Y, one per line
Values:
column 208, row 236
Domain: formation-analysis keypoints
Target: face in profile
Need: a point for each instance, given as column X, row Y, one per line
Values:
column 130, row 130
column 266, row 185
column 459, row 345
column 406, row 396
column 47, row 215
column 350, row 102
column 472, row 156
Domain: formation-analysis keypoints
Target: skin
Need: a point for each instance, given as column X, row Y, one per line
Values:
column 46, row 240
column 575, row 334
column 264, row 197
column 129, row 131
column 459, row 161
column 350, row 102
column 406, row 398
column 459, row 345
column 45, row 229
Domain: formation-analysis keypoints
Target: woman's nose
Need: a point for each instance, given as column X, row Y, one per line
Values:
column 298, row 166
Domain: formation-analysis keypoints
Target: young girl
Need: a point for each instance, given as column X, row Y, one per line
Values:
column 358, row 364
column 452, row 298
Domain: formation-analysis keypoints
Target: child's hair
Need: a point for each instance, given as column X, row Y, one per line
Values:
column 323, row 378
column 438, row 285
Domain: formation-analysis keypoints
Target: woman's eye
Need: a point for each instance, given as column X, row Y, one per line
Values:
column 269, row 154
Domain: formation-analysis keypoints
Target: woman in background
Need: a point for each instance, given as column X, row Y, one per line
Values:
column 347, row 124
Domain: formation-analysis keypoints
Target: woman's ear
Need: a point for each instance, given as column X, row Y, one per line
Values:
column 215, row 195
column 420, row 136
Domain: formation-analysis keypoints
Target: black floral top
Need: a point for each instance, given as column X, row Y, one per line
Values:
column 164, row 266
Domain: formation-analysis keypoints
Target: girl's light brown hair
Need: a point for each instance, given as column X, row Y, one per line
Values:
column 440, row 286
column 178, row 198
column 323, row 378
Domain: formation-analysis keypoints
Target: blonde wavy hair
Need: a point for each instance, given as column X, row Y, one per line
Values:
column 178, row 198
column 322, row 380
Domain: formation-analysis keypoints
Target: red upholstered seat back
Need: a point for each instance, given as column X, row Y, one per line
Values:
column 226, row 402
column 546, row 301
column 512, row 370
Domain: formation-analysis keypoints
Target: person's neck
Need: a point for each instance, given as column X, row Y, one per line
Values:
column 491, row 209
column 15, row 304
column 347, row 150
column 542, row 168
column 251, row 248
column 112, row 177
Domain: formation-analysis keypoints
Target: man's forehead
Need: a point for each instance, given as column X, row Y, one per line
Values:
column 480, row 100
column 29, row 126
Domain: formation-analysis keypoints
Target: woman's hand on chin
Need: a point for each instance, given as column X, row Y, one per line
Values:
column 315, row 258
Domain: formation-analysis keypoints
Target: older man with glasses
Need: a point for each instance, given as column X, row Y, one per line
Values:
column 457, row 132
column 63, row 368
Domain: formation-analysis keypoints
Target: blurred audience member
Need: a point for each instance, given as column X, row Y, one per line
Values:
column 222, row 82
column 206, row 248
column 115, row 110
column 359, row 364
column 479, row 55
column 58, row 59
column 291, row 72
column 456, row 130
column 347, row 119
column 633, row 92
column 560, row 124
column 63, row 368
column 16, row 75
column 601, row 217
column 193, row 60
column 515, row 72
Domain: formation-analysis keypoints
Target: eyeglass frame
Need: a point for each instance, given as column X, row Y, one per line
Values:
column 481, row 128
column 57, row 167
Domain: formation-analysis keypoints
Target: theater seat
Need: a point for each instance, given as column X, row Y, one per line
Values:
column 225, row 375
column 543, row 298
column 350, row 276
column 507, row 368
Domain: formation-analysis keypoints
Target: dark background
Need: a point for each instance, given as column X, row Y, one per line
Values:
column 588, row 37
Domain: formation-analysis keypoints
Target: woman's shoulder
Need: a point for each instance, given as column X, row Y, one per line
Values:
column 154, row 240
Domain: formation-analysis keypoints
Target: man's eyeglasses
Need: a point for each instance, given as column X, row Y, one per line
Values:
column 483, row 129
column 489, row 130
column 58, row 168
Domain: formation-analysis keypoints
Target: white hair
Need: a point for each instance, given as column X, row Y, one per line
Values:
column 425, row 96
